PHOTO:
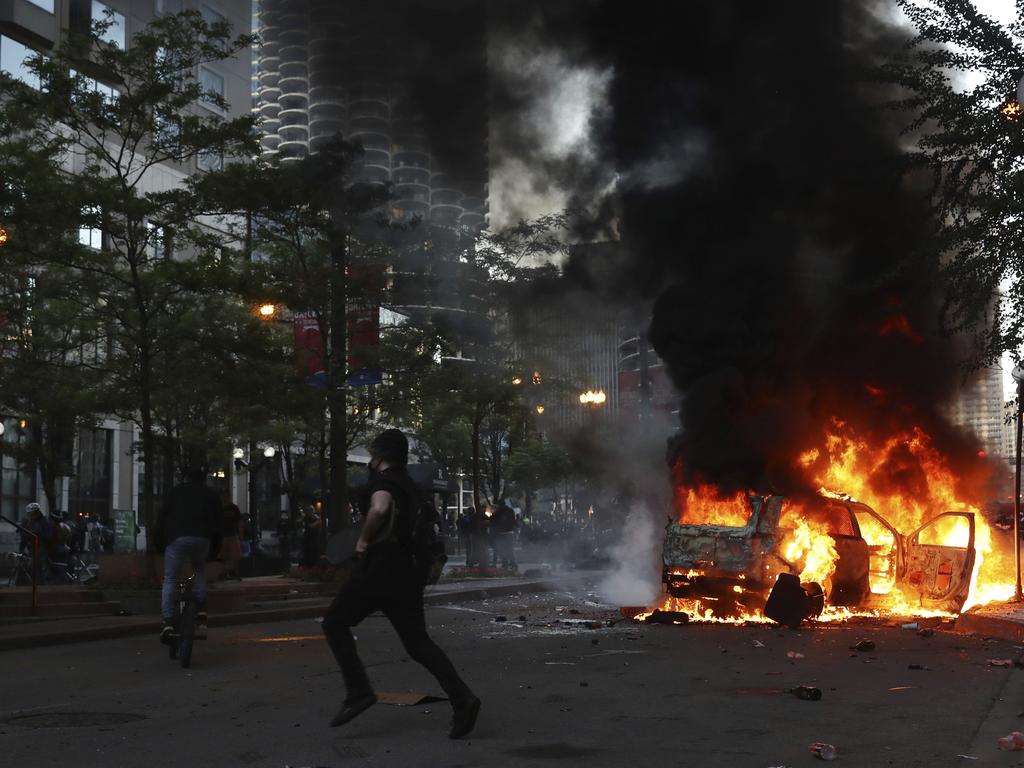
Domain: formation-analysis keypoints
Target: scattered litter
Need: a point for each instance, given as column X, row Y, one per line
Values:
column 573, row 611
column 1000, row 662
column 794, row 655
column 919, row 667
column 926, row 632
column 911, row 625
column 584, row 684
column 501, row 618
column 806, row 692
column 1013, row 742
column 863, row 645
column 903, row 688
column 594, row 641
column 759, row 644
column 968, row 757
column 522, row 618
column 407, row 699
column 823, row 751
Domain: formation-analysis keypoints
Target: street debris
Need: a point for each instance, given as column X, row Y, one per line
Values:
column 911, row 625
column 794, row 655
column 790, row 602
column 926, row 632
column 668, row 617
column 405, row 699
column 1000, row 662
column 1012, row 742
column 806, row 692
column 823, row 751
column 919, row 667
column 759, row 644
column 501, row 618
column 863, row 645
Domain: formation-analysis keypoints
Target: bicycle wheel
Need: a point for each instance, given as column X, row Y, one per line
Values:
column 187, row 631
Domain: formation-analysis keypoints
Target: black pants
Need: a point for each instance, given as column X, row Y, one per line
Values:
column 384, row 581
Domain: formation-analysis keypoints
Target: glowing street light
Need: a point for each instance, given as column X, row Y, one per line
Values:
column 516, row 381
column 540, row 409
column 4, row 237
column 238, row 453
column 593, row 397
column 269, row 452
column 267, row 311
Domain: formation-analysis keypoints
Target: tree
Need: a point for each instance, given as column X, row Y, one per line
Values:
column 962, row 71
column 113, row 115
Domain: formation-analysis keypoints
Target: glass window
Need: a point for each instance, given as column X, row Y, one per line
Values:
column 166, row 7
column 158, row 241
column 91, row 486
column 12, row 61
column 210, row 161
column 46, row 5
column 88, row 235
column 17, row 481
column 211, row 15
column 115, row 33
column 212, row 85
column 108, row 92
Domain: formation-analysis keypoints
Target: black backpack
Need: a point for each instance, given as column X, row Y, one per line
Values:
column 422, row 537
column 427, row 545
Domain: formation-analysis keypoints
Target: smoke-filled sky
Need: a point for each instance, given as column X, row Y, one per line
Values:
column 761, row 196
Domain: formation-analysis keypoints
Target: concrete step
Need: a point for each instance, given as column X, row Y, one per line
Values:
column 51, row 609
column 47, row 594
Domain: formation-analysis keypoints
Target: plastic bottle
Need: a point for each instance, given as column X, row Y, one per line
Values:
column 823, row 751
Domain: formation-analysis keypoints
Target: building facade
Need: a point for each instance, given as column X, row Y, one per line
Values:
column 979, row 408
column 105, row 477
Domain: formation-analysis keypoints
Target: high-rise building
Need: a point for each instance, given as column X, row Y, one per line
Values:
column 402, row 79
column 979, row 408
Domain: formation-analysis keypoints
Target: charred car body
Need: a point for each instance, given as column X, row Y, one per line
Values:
column 732, row 569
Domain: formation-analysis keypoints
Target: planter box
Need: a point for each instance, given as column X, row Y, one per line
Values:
column 138, row 569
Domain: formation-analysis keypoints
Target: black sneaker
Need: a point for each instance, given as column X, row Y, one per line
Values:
column 166, row 632
column 464, row 718
column 352, row 708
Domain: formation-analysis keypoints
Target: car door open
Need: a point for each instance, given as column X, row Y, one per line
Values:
column 939, row 561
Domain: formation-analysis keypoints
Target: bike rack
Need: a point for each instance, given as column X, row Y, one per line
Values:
column 35, row 559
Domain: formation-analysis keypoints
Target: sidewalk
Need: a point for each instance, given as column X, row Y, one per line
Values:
column 1002, row 620
column 74, row 630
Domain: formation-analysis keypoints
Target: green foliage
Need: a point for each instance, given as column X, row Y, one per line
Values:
column 960, row 70
column 152, row 302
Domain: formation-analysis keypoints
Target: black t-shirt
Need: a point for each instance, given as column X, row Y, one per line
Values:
column 396, row 481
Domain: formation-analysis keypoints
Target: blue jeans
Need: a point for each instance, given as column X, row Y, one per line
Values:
column 196, row 549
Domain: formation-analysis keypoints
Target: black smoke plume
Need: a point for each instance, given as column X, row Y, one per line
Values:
column 762, row 180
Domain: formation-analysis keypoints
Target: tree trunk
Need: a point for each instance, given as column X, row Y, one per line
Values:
column 337, row 497
column 47, row 468
column 289, row 478
column 477, row 423
column 146, row 510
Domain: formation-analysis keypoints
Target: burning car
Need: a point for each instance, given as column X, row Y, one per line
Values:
column 728, row 554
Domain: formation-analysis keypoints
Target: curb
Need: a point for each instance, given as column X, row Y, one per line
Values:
column 140, row 625
column 990, row 626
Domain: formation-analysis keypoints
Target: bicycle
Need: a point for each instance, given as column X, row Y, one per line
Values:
column 21, row 574
column 75, row 571
column 184, row 635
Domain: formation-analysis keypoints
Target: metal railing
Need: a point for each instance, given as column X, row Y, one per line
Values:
column 35, row 559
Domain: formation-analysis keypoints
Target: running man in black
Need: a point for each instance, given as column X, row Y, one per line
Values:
column 385, row 578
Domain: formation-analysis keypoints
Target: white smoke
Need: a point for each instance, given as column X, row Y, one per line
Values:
column 636, row 578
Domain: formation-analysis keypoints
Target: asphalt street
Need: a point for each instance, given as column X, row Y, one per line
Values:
column 555, row 691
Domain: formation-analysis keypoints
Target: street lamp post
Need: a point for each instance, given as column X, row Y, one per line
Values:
column 1018, row 376
column 252, row 466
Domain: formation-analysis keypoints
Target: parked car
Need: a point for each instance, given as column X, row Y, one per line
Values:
column 733, row 568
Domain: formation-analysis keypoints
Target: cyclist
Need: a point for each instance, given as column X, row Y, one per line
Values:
column 187, row 528
column 37, row 523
